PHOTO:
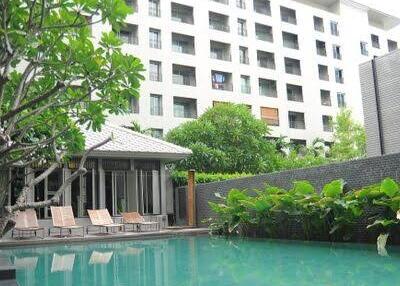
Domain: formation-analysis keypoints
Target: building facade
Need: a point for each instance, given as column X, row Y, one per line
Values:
column 380, row 84
column 294, row 62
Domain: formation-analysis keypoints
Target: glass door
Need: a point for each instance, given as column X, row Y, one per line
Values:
column 119, row 192
column 149, row 192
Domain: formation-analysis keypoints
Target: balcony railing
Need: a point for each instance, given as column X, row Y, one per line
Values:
column 272, row 121
column 297, row 124
column 265, row 63
column 221, row 56
column 184, row 80
column 321, row 51
column 183, row 49
column 242, row 31
column 268, row 91
column 222, row 86
column 155, row 76
column 244, row 60
column 262, row 9
column 128, row 39
column 264, row 37
column 246, row 89
column 219, row 26
column 182, row 17
column 291, row 44
column 156, row 44
column 155, row 11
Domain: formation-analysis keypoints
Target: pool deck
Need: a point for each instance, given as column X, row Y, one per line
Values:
column 119, row 236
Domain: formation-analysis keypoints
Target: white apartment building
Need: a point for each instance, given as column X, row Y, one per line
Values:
column 293, row 62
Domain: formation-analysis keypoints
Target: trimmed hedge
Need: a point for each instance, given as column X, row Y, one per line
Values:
column 180, row 177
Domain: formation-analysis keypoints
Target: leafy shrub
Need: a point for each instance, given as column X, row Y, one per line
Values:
column 332, row 214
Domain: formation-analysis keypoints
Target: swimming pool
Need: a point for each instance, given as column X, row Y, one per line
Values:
column 205, row 261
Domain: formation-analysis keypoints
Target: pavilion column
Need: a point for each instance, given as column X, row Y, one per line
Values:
column 102, row 186
column 191, row 199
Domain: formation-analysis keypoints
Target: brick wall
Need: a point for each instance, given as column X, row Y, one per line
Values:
column 356, row 173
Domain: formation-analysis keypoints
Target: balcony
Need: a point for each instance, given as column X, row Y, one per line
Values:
column 241, row 4
column 319, row 24
column 392, row 46
column 219, row 22
column 220, row 51
column 264, row 33
column 262, row 7
column 154, row 8
column 221, row 80
column 185, row 107
column 326, row 98
column 327, row 123
column 244, row 55
column 183, row 44
column 154, row 38
column 270, row 115
column 183, row 75
column 288, row 15
column 321, row 48
column 242, row 28
column 337, row 52
column 339, row 76
column 375, row 41
column 290, row 40
column 323, row 73
column 292, row 66
column 182, row 13
column 129, row 34
column 245, row 86
column 294, row 92
column 133, row 4
column 296, row 120
column 267, row 87
column 266, row 60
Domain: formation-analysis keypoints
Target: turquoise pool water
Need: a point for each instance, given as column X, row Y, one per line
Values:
column 204, row 261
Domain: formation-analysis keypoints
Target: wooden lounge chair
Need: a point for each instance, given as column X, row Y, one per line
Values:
column 102, row 219
column 26, row 222
column 135, row 219
column 63, row 218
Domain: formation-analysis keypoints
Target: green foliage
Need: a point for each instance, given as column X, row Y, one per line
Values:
column 349, row 138
column 180, row 177
column 225, row 139
column 50, row 68
column 332, row 214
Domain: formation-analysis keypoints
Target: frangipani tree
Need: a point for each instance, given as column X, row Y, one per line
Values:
column 50, row 69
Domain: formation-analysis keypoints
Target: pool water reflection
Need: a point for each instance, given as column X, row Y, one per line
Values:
column 205, row 261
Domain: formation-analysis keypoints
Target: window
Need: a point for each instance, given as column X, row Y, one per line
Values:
column 323, row 73
column 183, row 75
column 290, row 40
column 327, row 123
column 267, row 87
column 294, row 92
column 155, row 71
column 218, row 22
column 392, row 46
column 132, row 4
column 375, row 41
column 339, row 75
column 337, row 52
column 321, row 48
column 157, row 133
column 334, row 28
column 134, row 105
column 298, row 144
column 262, row 7
column 241, row 4
column 154, row 38
column 270, row 115
column 292, row 66
column 156, row 107
column 319, row 24
column 296, row 120
column 220, row 51
column 288, row 15
column 221, row 80
column 154, row 8
column 244, row 55
column 364, row 48
column 242, row 27
column 266, row 60
column 185, row 107
column 226, row 2
column 326, row 98
column 182, row 13
column 264, row 33
column 245, row 85
column 183, row 44
column 129, row 34
column 341, row 99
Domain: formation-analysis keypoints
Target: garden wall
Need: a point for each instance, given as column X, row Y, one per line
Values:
column 357, row 173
